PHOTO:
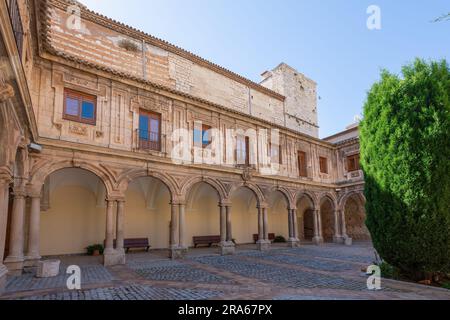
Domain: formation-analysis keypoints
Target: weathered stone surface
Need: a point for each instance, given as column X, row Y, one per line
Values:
column 48, row 268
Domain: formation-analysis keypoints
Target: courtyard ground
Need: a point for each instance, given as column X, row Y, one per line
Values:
column 305, row 273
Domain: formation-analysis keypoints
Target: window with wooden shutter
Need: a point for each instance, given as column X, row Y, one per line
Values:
column 202, row 138
column 353, row 163
column 323, row 164
column 79, row 107
column 242, row 150
column 149, row 130
column 302, row 164
column 275, row 154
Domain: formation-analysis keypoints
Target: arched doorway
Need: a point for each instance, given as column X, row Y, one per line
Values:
column 76, row 215
column 305, row 218
column 278, row 217
column 355, row 217
column 148, row 211
column 327, row 215
column 245, row 215
column 202, row 212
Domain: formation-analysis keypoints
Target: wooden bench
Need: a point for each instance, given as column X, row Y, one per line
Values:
column 271, row 237
column 134, row 243
column 209, row 240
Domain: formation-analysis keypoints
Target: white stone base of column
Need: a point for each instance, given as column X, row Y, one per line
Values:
column 338, row 239
column 31, row 261
column 227, row 248
column 348, row 241
column 114, row 257
column 3, row 273
column 177, row 252
column 14, row 265
column 263, row 245
column 293, row 242
column 317, row 240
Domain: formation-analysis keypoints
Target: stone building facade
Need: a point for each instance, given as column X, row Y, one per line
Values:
column 109, row 133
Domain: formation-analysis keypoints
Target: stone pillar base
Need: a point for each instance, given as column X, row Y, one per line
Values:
column 226, row 248
column 338, row 239
column 348, row 241
column 31, row 261
column 177, row 253
column 3, row 273
column 263, row 245
column 14, row 265
column 317, row 240
column 293, row 243
column 114, row 257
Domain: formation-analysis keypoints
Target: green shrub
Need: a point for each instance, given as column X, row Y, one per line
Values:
column 279, row 239
column 405, row 152
column 90, row 249
column 388, row 271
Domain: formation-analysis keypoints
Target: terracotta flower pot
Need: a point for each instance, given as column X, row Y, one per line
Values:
column 96, row 252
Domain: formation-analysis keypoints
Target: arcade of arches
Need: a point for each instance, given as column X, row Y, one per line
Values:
column 61, row 209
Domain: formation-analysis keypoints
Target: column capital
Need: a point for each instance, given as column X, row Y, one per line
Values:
column 225, row 203
column 177, row 203
column 19, row 193
column 113, row 198
column 262, row 206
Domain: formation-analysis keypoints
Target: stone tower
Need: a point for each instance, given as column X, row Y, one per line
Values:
column 300, row 106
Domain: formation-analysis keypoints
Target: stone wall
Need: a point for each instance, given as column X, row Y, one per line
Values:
column 301, row 97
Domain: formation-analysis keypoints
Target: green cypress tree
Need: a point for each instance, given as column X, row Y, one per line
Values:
column 405, row 155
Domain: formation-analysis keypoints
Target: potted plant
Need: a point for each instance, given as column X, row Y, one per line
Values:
column 279, row 239
column 95, row 250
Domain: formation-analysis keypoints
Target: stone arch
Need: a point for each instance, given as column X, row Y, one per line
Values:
column 125, row 179
column 285, row 192
column 346, row 196
column 352, row 208
column 215, row 184
column 311, row 196
column 254, row 188
column 39, row 175
column 305, row 214
column 328, row 211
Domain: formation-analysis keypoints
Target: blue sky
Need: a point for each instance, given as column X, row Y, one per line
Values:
column 327, row 40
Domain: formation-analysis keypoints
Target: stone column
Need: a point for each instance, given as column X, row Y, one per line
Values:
column 173, row 225
column 347, row 240
column 112, row 256
column 223, row 224
column 291, row 225
column 33, row 254
column 229, row 231
column 265, row 225
column 293, row 238
column 4, row 199
column 263, row 242
column 109, row 235
column 226, row 246
column 260, row 225
column 120, row 225
column 177, row 248
column 14, row 262
column 337, row 237
column 182, row 225
column 295, row 222
column 317, row 239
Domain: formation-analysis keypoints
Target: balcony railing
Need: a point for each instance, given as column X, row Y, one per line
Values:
column 149, row 140
column 16, row 21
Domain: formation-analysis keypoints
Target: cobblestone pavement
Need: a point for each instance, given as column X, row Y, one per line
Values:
column 327, row 272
